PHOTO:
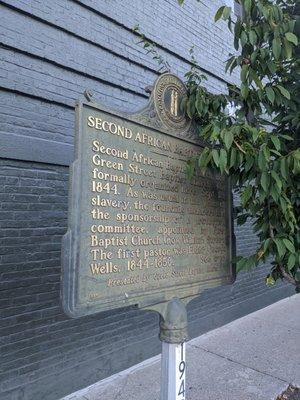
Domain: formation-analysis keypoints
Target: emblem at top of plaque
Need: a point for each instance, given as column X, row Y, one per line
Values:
column 167, row 94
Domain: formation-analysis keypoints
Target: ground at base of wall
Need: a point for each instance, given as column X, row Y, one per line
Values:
column 243, row 360
column 292, row 393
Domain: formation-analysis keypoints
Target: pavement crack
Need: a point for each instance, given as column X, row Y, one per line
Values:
column 239, row 363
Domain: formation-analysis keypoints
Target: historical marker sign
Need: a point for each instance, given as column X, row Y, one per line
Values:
column 139, row 231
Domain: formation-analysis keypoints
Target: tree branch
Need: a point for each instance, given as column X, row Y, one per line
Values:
column 239, row 147
column 287, row 276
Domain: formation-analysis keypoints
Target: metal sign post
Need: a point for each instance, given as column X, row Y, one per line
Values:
column 173, row 334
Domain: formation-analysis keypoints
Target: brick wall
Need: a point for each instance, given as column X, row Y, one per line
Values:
column 50, row 53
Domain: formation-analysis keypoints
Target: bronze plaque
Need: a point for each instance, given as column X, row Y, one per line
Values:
column 139, row 231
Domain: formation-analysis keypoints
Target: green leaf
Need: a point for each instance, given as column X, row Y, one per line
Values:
column 190, row 107
column 247, row 6
column 249, row 163
column 219, row 13
column 284, row 92
column 228, row 139
column 276, row 152
column 292, row 24
column 246, row 194
column 274, row 192
column 244, row 91
column 233, row 65
column 283, row 169
column 199, row 103
column 183, row 104
column 241, row 219
column 190, row 168
column 257, row 80
column 255, row 134
column 223, row 160
column 280, row 247
column 288, row 48
column 252, row 37
column 241, row 264
column 244, row 38
column 265, row 181
column 270, row 281
column 266, row 12
column 291, row 261
column 206, row 129
column 232, row 157
column 253, row 57
column 283, row 204
column 296, row 154
column 215, row 155
column 287, row 137
column 278, row 181
column 229, row 62
column 276, row 142
column 262, row 163
column 236, row 42
column 244, row 73
column 266, row 151
column 276, row 47
column 291, row 37
column 180, row 2
column 270, row 94
column 202, row 161
column 272, row 67
column 267, row 244
column 289, row 245
column 226, row 12
column 237, row 33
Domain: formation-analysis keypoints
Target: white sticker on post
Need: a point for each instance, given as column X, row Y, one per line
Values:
column 173, row 372
column 180, row 372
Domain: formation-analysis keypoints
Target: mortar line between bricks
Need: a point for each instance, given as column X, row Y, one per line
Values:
column 239, row 363
column 67, row 31
column 121, row 25
column 72, row 367
column 158, row 45
column 35, row 97
column 70, row 69
column 49, row 342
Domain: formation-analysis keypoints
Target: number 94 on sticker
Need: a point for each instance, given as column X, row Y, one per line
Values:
column 180, row 372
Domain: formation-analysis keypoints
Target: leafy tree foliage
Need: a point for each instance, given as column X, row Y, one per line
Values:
column 258, row 146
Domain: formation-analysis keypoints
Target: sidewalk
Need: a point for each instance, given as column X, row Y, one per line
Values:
column 253, row 358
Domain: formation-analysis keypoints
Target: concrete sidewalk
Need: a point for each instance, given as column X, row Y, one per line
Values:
column 253, row 358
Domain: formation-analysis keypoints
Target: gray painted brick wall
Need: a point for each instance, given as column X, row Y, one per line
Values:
column 50, row 52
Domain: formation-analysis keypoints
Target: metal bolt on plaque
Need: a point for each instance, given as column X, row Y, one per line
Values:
column 139, row 232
